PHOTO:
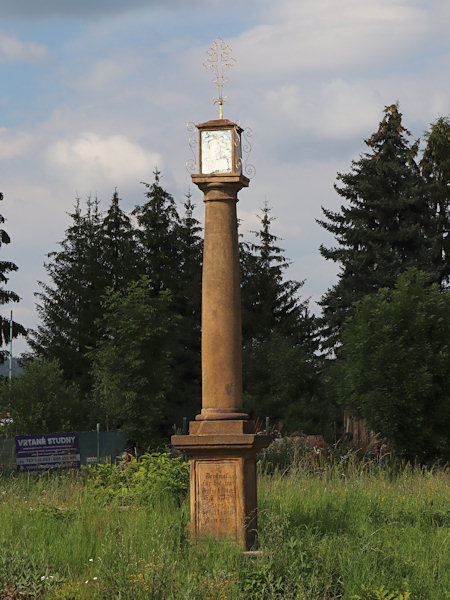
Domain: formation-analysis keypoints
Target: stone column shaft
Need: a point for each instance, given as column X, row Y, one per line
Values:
column 221, row 300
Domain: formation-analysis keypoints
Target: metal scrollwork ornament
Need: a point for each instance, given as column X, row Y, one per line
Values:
column 248, row 169
column 191, row 163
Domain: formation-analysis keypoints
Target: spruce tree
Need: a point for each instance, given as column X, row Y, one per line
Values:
column 279, row 338
column 384, row 227
column 157, row 236
column 70, row 305
column 435, row 168
column 170, row 250
column 7, row 296
column 97, row 253
column 118, row 247
column 187, row 305
column 189, row 233
column 270, row 304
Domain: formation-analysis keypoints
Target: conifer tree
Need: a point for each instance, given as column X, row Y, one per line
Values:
column 187, row 305
column 118, row 247
column 435, row 168
column 270, row 304
column 157, row 236
column 70, row 305
column 279, row 338
column 7, row 296
column 97, row 253
column 170, row 250
column 190, row 242
column 384, row 227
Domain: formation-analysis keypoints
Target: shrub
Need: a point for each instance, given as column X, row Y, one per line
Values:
column 139, row 480
column 395, row 368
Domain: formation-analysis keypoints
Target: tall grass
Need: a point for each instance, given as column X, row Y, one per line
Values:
column 359, row 522
column 328, row 528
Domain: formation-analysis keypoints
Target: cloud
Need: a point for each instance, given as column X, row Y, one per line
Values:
column 332, row 109
column 325, row 34
column 13, row 144
column 423, row 95
column 35, row 214
column 42, row 9
column 12, row 49
column 102, row 75
column 92, row 160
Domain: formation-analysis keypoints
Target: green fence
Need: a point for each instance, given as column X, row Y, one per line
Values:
column 108, row 444
column 112, row 445
column 7, row 453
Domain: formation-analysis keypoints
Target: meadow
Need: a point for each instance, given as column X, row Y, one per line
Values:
column 329, row 528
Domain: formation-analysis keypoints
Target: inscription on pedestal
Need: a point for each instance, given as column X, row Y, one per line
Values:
column 216, row 498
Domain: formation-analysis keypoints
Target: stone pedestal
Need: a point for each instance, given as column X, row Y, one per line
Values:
column 223, row 479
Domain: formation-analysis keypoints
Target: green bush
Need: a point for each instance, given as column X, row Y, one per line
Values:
column 35, row 400
column 138, row 481
column 395, row 366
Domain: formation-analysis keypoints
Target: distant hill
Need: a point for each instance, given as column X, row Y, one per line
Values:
column 16, row 368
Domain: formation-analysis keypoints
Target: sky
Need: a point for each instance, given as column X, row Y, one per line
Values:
column 95, row 94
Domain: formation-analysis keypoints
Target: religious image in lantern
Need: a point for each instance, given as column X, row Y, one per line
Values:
column 217, row 151
column 47, row 451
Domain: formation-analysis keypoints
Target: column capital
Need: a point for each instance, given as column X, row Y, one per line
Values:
column 223, row 186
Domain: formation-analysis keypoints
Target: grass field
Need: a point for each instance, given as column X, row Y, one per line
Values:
column 339, row 530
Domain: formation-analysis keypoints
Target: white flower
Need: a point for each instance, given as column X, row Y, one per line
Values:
column 91, row 560
column 95, row 578
column 87, row 581
column 43, row 577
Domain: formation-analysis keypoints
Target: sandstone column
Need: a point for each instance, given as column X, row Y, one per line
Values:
column 222, row 443
column 221, row 300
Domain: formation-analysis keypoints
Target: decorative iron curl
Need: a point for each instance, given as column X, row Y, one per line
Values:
column 191, row 163
column 249, row 169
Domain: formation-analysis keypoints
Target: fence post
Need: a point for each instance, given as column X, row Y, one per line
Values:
column 98, row 443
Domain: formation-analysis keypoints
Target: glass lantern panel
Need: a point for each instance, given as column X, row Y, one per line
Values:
column 217, row 151
column 237, row 152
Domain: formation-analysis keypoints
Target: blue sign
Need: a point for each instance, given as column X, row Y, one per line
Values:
column 48, row 451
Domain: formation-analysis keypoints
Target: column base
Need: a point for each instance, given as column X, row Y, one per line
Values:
column 220, row 414
column 222, row 456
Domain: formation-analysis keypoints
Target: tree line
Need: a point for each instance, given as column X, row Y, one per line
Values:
column 119, row 334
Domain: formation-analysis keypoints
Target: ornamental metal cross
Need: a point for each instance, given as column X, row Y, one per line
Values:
column 219, row 60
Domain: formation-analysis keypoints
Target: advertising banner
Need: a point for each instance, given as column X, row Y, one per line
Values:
column 47, row 451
